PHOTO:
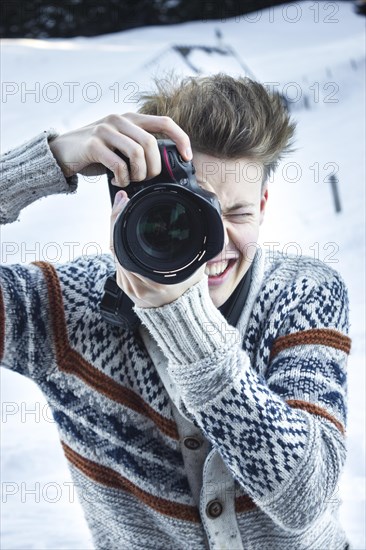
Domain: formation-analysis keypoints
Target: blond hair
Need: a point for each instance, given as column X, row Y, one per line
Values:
column 225, row 117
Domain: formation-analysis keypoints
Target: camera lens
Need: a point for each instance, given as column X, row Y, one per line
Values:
column 164, row 232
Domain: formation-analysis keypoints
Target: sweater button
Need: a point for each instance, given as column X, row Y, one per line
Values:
column 192, row 443
column 214, row 509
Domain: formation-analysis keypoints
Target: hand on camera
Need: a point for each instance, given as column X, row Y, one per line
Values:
column 142, row 291
column 90, row 150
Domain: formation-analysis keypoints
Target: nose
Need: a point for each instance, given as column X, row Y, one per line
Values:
column 226, row 245
column 226, row 234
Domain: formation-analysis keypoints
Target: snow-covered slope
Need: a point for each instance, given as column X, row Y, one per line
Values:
column 313, row 54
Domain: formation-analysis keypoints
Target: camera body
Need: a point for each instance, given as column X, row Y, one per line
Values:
column 170, row 226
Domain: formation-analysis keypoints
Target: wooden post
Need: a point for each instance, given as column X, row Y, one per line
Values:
column 334, row 187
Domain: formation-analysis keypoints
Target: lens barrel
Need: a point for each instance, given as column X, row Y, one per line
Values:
column 166, row 232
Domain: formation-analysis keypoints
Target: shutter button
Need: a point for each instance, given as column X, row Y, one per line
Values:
column 192, row 443
column 214, row 509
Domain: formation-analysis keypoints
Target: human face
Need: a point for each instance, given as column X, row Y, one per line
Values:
column 238, row 186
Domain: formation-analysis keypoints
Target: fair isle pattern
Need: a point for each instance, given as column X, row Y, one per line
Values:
column 110, row 478
column 106, row 347
column 122, row 521
column 325, row 337
column 297, row 340
column 277, row 434
column 314, row 409
column 122, row 431
column 117, row 436
column 324, row 387
column 115, row 419
column 104, row 374
column 263, row 439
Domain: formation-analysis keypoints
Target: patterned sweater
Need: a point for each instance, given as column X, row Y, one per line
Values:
column 190, row 433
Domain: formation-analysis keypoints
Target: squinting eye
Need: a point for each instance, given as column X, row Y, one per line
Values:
column 243, row 215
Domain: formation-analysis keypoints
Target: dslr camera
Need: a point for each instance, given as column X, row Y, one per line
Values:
column 170, row 226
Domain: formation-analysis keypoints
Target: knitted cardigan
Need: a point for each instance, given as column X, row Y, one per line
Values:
column 190, row 433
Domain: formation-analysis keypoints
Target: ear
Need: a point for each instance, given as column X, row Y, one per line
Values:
column 264, row 199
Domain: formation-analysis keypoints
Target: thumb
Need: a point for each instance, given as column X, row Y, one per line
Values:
column 120, row 201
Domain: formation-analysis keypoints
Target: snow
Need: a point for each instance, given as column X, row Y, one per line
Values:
column 312, row 53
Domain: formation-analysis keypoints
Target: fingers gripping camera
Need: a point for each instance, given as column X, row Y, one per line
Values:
column 170, row 226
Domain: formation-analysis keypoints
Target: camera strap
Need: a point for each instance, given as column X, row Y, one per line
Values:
column 234, row 305
column 116, row 307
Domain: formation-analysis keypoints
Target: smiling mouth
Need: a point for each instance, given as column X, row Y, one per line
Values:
column 218, row 269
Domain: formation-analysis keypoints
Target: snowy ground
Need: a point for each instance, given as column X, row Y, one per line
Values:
column 310, row 51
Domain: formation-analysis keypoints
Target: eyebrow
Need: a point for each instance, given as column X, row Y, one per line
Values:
column 235, row 206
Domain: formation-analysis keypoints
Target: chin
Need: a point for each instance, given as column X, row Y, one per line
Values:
column 218, row 298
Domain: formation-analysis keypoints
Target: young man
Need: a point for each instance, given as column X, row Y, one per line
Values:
column 188, row 432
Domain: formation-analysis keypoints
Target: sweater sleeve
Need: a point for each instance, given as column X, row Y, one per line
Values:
column 28, row 293
column 280, row 433
column 28, row 173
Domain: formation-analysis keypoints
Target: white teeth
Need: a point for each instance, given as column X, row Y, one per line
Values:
column 213, row 270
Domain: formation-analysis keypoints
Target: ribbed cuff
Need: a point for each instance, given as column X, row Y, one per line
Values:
column 28, row 173
column 191, row 328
